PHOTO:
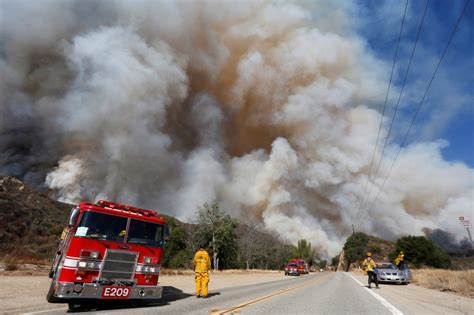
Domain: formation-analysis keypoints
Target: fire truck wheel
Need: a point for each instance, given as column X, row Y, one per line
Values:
column 50, row 296
column 83, row 306
column 73, row 306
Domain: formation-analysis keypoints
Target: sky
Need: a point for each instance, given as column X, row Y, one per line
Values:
column 448, row 112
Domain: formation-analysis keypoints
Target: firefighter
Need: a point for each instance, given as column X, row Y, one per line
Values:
column 369, row 267
column 202, row 264
column 399, row 260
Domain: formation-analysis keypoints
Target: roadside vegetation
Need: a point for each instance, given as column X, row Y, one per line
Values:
column 419, row 251
column 231, row 244
column 456, row 281
column 356, row 247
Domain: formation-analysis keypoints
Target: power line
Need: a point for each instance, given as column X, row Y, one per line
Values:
column 362, row 202
column 421, row 102
column 366, row 199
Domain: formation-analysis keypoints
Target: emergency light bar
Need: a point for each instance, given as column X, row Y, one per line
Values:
column 119, row 206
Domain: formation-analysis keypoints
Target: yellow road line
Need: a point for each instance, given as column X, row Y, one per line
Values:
column 238, row 307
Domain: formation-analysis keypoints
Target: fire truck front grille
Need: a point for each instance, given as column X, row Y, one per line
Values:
column 119, row 265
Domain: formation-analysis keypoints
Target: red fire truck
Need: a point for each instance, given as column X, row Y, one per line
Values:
column 108, row 251
column 301, row 264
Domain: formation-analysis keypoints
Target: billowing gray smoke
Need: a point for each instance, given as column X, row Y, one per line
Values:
column 167, row 105
column 447, row 241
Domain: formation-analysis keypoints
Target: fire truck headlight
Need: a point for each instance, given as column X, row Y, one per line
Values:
column 89, row 265
column 82, row 264
column 150, row 270
column 150, row 260
column 89, row 253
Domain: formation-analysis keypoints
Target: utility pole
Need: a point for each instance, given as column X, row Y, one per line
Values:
column 467, row 224
column 353, row 231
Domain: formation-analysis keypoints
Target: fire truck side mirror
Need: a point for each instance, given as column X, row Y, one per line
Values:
column 73, row 217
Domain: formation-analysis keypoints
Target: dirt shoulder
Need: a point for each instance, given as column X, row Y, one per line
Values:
column 22, row 294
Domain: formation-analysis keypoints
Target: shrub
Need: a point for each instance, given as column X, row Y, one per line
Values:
column 11, row 264
column 422, row 252
column 355, row 248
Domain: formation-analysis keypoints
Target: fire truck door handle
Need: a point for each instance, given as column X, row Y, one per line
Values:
column 123, row 247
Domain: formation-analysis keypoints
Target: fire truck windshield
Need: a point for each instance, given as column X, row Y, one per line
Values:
column 145, row 233
column 102, row 226
column 107, row 227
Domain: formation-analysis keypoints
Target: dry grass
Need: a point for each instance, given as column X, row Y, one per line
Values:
column 457, row 281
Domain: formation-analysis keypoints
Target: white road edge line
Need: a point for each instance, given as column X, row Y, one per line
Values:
column 384, row 302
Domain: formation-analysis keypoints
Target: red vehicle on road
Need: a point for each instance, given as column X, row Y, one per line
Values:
column 301, row 264
column 291, row 269
column 108, row 251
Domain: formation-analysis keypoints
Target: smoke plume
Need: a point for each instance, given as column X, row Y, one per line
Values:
column 447, row 241
column 266, row 107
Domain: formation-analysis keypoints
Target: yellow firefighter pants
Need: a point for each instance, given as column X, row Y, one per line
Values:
column 202, row 280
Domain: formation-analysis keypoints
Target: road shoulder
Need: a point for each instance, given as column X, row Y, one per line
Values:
column 413, row 299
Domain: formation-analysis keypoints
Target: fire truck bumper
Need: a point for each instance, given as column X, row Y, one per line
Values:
column 66, row 290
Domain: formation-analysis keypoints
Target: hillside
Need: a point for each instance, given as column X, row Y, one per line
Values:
column 30, row 222
column 356, row 247
column 380, row 248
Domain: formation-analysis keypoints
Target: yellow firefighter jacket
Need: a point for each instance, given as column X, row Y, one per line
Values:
column 202, row 262
column 399, row 258
column 368, row 264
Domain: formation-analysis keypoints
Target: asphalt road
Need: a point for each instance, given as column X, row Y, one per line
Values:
column 320, row 293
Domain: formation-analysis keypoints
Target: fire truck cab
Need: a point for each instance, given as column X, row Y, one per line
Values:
column 108, row 251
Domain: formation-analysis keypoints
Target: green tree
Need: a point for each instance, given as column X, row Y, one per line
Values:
column 177, row 250
column 217, row 229
column 355, row 248
column 322, row 264
column 421, row 251
column 305, row 251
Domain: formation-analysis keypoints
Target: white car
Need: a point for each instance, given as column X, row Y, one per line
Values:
column 387, row 272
